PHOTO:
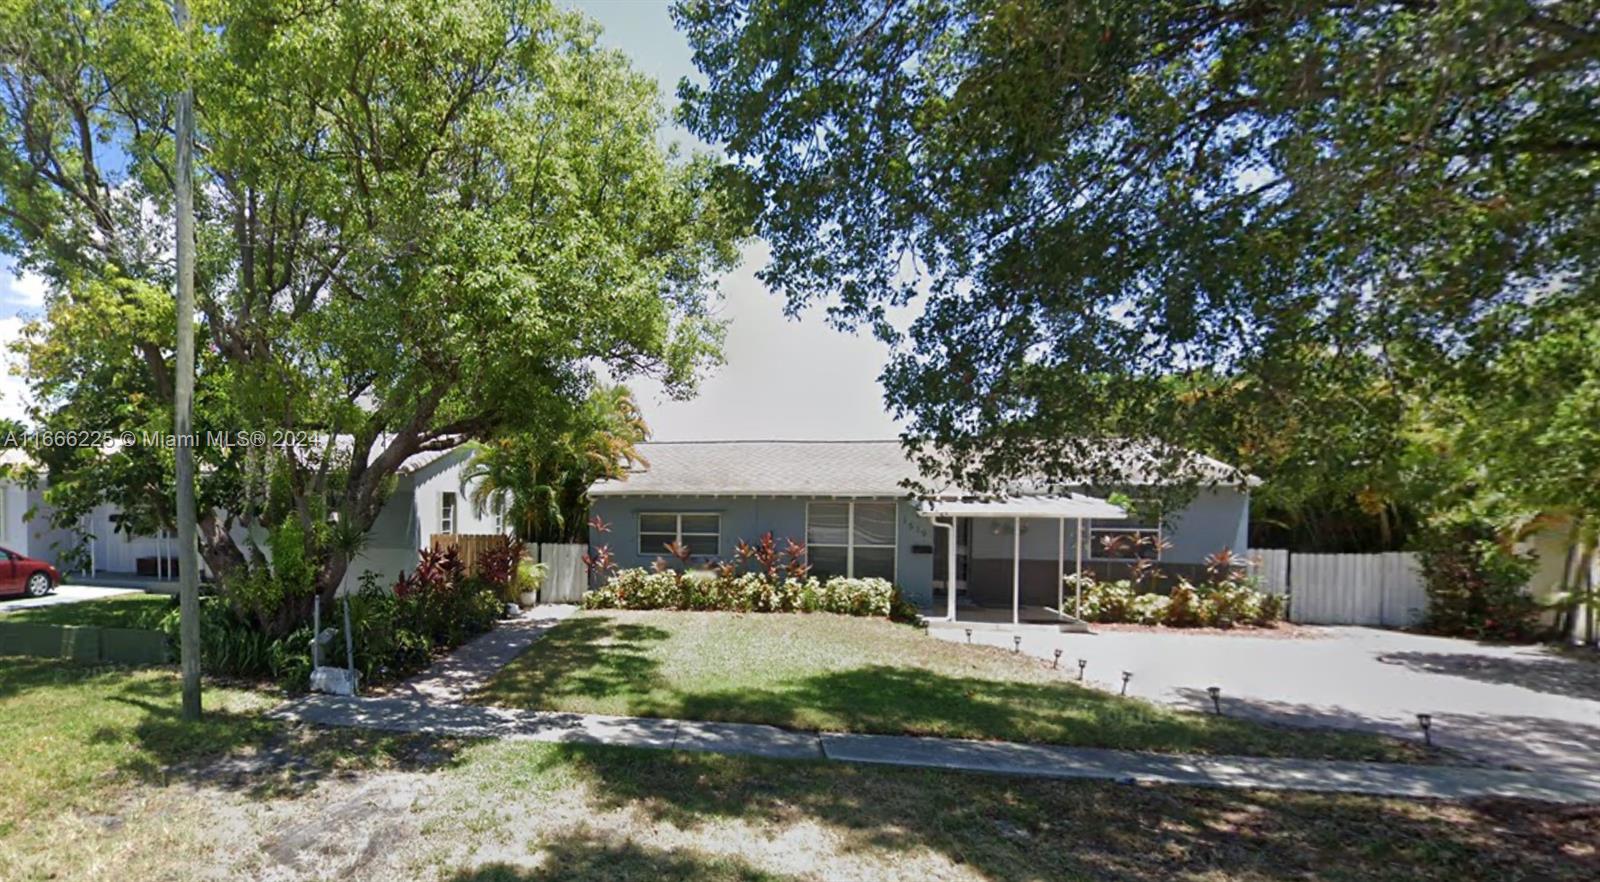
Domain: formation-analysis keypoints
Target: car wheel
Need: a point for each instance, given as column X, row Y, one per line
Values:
column 38, row 585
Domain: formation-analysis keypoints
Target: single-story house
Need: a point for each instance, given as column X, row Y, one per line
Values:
column 848, row 502
column 429, row 498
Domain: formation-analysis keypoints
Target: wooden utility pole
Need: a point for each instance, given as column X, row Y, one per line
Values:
column 183, row 392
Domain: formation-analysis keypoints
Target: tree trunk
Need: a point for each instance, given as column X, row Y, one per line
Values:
column 221, row 553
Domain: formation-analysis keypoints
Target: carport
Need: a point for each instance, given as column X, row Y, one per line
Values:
column 1075, row 507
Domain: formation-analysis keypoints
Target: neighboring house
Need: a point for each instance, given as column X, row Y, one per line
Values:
column 429, row 498
column 847, row 502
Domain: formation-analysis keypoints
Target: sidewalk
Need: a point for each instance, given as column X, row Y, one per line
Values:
column 1040, row 761
column 469, row 667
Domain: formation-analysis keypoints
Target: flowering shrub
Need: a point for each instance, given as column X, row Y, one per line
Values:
column 1148, row 609
column 748, row 592
column 1223, row 604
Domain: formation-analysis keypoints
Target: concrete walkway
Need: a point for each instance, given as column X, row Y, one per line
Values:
column 63, row 594
column 469, row 667
column 1039, row 761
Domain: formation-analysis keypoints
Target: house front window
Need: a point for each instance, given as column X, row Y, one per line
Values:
column 700, row 532
column 855, row 539
column 447, row 513
column 1135, row 537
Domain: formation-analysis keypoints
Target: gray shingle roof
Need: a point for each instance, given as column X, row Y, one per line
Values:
column 766, row 468
column 794, row 468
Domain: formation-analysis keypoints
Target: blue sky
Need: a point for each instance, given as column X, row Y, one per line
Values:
column 783, row 378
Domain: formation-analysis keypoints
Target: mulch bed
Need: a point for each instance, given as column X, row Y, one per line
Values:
column 1283, row 631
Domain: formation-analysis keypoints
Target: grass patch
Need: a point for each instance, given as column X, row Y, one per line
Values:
column 73, row 734
column 838, row 673
column 90, row 752
column 138, row 611
column 680, row 816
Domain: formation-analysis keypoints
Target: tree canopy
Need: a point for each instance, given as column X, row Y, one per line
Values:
column 419, row 222
column 1165, row 220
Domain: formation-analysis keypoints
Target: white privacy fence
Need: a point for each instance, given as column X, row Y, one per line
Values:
column 1345, row 589
column 567, row 578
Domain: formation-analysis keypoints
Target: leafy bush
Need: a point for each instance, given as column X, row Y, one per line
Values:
column 1230, row 603
column 748, row 592
column 498, row 566
column 1233, row 600
column 396, row 633
column 1185, row 608
column 1106, row 601
column 1476, row 588
column 1148, row 609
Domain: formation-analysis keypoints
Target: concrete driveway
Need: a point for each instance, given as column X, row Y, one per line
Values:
column 62, row 594
column 1520, row 707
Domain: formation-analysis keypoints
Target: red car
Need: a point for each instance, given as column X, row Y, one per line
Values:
column 21, row 574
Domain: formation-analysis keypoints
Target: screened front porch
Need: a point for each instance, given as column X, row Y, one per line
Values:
column 1006, row 558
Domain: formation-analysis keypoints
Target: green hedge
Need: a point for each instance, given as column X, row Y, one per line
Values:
column 89, row 645
column 749, row 592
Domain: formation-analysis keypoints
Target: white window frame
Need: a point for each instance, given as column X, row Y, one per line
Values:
column 851, row 545
column 449, row 514
column 1116, row 528
column 497, row 507
column 677, row 531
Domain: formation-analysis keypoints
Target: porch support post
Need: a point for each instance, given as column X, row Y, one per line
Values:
column 1016, row 571
column 950, row 569
column 1077, row 583
column 1061, row 560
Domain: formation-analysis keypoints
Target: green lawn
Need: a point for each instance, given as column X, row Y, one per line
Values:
column 68, row 732
column 616, row 813
column 101, row 779
column 142, row 611
column 837, row 673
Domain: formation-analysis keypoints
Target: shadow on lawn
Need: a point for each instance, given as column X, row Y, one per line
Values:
column 587, row 656
column 246, row 752
column 23, row 673
column 593, row 860
column 1021, row 829
column 917, row 701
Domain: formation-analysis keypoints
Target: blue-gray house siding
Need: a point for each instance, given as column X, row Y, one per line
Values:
column 748, row 518
column 1217, row 518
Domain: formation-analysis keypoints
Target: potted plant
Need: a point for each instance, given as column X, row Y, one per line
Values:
column 529, row 577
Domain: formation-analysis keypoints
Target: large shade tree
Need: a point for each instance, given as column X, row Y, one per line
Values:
column 1160, row 219
column 419, row 222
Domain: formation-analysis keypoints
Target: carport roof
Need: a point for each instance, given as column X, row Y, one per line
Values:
column 1071, row 505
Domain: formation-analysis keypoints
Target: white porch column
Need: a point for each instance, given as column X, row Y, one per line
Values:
column 1061, row 561
column 1016, row 571
column 1077, row 583
column 950, row 568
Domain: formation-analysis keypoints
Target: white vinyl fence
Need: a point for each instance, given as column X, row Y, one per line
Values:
column 1345, row 589
column 567, row 578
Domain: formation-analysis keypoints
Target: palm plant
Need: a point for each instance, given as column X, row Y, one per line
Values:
column 541, row 479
